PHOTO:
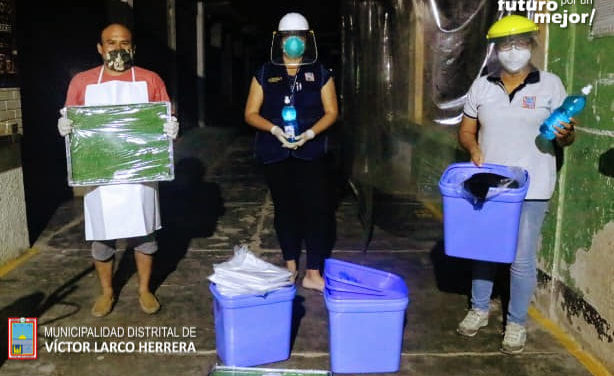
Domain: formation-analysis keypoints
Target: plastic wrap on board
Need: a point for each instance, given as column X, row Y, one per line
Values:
column 119, row 144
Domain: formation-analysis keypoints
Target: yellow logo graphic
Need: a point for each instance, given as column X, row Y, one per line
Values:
column 16, row 349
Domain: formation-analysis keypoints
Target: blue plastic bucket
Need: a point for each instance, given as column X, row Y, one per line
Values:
column 251, row 329
column 338, row 287
column 489, row 231
column 365, row 335
column 343, row 276
column 366, row 313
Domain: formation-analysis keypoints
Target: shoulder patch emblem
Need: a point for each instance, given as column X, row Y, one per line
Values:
column 309, row 76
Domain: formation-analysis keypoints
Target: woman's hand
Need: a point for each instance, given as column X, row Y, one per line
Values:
column 566, row 134
column 476, row 156
column 282, row 137
column 301, row 139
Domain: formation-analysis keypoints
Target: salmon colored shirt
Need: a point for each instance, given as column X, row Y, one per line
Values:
column 76, row 89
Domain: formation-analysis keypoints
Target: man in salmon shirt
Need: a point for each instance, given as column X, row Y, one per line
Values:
column 120, row 211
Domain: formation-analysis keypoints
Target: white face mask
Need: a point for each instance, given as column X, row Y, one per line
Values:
column 514, row 60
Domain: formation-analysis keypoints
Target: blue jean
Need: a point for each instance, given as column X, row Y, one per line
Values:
column 523, row 271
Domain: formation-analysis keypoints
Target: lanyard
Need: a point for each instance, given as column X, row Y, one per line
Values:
column 293, row 86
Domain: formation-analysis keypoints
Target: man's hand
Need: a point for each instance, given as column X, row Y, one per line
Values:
column 565, row 134
column 301, row 139
column 476, row 156
column 171, row 127
column 281, row 136
column 64, row 124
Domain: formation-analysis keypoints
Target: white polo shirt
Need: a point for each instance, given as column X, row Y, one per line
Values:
column 509, row 125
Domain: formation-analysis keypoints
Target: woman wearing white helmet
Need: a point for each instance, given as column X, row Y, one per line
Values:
column 292, row 145
column 509, row 105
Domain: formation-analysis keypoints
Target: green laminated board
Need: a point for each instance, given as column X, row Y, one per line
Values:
column 119, row 144
column 244, row 371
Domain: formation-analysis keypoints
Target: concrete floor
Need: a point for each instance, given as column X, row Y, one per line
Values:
column 219, row 200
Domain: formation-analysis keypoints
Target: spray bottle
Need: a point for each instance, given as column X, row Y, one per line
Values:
column 572, row 106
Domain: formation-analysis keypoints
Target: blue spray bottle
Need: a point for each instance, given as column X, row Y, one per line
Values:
column 572, row 106
column 288, row 114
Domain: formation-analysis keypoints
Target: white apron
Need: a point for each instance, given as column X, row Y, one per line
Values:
column 122, row 210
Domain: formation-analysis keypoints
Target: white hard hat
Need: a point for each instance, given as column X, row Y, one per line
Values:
column 293, row 21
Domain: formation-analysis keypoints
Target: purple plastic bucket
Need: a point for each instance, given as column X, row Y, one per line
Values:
column 488, row 231
column 352, row 280
column 365, row 335
column 366, row 314
column 253, row 329
column 339, row 287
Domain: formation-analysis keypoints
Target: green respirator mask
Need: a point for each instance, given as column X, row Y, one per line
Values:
column 294, row 47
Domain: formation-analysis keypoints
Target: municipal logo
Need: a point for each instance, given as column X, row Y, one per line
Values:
column 22, row 338
column 528, row 102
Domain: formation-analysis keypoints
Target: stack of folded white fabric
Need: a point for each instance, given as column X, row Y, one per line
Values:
column 246, row 274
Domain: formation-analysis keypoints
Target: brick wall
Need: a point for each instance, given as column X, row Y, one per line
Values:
column 10, row 111
column 13, row 225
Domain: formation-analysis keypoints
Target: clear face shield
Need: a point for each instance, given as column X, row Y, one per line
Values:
column 294, row 48
column 520, row 41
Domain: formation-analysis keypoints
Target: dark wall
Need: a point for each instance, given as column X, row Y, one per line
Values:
column 186, row 63
column 54, row 42
column 151, row 39
column 222, row 84
column 176, row 67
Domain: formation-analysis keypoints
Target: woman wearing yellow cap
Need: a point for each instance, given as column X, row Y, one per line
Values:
column 502, row 115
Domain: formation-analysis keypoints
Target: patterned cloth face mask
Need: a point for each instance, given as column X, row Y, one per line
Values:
column 119, row 60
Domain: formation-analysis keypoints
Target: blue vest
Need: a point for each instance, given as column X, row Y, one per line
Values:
column 276, row 85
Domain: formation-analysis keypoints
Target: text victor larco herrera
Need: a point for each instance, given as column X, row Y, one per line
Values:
column 138, row 339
